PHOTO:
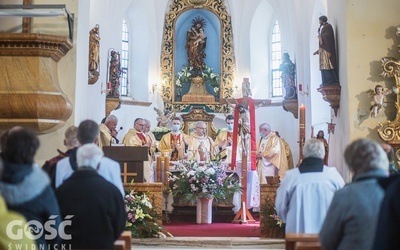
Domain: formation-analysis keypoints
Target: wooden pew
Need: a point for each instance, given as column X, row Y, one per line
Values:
column 302, row 242
column 124, row 241
column 119, row 245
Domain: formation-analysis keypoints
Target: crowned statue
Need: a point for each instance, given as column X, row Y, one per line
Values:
column 195, row 46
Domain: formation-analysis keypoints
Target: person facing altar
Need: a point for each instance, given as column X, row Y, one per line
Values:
column 200, row 143
column 175, row 141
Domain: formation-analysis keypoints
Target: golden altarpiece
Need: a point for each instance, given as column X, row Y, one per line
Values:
column 169, row 61
column 390, row 130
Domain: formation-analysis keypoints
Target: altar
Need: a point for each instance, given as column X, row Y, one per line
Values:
column 223, row 210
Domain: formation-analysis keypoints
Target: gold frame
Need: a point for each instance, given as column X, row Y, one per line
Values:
column 198, row 114
column 390, row 130
column 226, row 53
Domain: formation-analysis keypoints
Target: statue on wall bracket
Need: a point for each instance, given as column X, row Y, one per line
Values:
column 94, row 58
column 197, row 63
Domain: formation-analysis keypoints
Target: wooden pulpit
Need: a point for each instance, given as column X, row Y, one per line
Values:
column 130, row 160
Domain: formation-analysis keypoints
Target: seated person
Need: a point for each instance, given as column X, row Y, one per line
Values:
column 175, row 141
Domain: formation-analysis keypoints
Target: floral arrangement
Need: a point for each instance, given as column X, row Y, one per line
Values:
column 203, row 181
column 207, row 74
column 141, row 216
column 270, row 222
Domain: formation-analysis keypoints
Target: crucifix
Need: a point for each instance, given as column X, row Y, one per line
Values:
column 242, row 129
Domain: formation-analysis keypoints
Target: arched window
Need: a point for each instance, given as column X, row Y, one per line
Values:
column 124, row 59
column 276, row 56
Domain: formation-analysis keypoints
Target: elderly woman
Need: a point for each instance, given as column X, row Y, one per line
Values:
column 352, row 217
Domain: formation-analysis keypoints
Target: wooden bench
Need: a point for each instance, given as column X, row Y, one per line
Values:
column 302, row 242
column 124, row 241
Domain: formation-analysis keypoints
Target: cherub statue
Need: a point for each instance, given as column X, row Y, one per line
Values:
column 163, row 117
column 378, row 96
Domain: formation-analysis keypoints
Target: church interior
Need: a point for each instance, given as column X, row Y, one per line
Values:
column 55, row 86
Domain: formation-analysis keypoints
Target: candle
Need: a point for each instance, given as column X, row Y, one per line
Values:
column 159, row 168
column 166, row 170
column 300, row 87
column 302, row 114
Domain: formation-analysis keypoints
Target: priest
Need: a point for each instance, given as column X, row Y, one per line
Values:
column 175, row 141
column 201, row 143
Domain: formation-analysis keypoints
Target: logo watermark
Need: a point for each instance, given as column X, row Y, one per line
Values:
column 16, row 230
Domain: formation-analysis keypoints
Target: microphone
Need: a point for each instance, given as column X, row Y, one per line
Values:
column 121, row 128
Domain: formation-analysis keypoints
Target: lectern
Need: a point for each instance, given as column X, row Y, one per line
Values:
column 130, row 160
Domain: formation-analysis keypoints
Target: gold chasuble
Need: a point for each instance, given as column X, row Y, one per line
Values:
column 174, row 142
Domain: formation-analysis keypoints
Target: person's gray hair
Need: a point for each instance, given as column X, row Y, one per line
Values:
column 265, row 126
column 200, row 123
column 89, row 155
column 314, row 148
column 111, row 118
column 70, row 136
column 364, row 155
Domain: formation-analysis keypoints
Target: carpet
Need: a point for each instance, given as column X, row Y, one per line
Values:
column 185, row 229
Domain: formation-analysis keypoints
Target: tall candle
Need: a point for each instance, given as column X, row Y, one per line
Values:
column 166, row 170
column 302, row 130
column 159, row 168
column 302, row 114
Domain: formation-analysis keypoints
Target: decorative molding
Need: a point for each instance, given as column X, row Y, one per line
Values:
column 291, row 106
column 226, row 51
column 32, row 44
column 331, row 94
column 135, row 103
column 390, row 130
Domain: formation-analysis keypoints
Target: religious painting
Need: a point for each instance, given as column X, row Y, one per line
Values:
column 197, row 57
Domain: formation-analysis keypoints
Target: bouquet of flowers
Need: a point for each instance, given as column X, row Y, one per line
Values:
column 270, row 222
column 207, row 74
column 204, row 181
column 141, row 216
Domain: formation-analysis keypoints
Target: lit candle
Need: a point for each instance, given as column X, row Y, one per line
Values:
column 302, row 114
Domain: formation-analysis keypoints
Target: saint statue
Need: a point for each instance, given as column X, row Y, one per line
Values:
column 327, row 53
column 94, row 45
column 196, row 44
column 288, row 69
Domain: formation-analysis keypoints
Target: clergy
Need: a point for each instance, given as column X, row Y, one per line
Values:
column 201, row 143
column 224, row 141
column 271, row 156
column 136, row 137
column 108, row 132
column 175, row 141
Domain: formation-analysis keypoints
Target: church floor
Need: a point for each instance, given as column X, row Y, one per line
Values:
column 194, row 243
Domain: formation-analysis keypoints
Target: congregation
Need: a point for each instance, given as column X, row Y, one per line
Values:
column 311, row 198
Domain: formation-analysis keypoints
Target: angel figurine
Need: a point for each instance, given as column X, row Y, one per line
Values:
column 378, row 98
column 163, row 117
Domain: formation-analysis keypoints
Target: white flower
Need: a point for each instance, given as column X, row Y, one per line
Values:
column 210, row 171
